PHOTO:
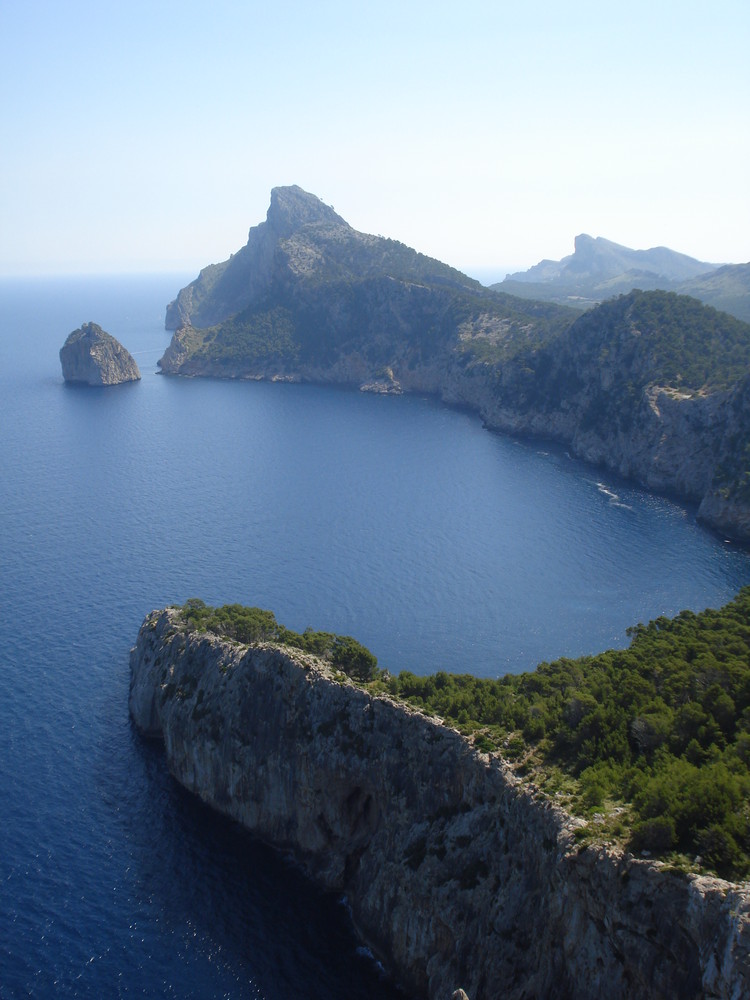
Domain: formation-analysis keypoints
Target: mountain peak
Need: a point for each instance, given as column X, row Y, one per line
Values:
column 599, row 268
column 291, row 208
column 583, row 243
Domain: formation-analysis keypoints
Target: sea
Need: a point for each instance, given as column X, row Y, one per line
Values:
column 397, row 520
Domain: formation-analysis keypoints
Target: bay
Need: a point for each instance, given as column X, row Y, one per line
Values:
column 396, row 520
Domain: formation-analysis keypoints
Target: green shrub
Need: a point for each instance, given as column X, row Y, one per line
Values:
column 354, row 659
column 657, row 835
column 663, row 725
column 719, row 850
column 250, row 625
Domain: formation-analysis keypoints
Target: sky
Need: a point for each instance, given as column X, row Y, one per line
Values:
column 147, row 136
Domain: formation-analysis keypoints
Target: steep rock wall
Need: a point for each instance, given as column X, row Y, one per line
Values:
column 646, row 384
column 457, row 874
column 94, row 357
column 674, row 444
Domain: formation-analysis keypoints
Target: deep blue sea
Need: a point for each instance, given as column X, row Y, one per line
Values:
column 396, row 520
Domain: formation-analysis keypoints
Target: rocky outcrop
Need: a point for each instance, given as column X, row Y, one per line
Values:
column 649, row 385
column 223, row 290
column 618, row 389
column 92, row 356
column 458, row 874
column 384, row 384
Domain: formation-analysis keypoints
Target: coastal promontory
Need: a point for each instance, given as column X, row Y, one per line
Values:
column 651, row 384
column 460, row 871
column 92, row 356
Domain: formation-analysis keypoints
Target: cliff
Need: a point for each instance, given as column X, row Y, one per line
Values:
column 310, row 298
column 92, row 356
column 458, row 874
column 301, row 239
column 223, row 290
column 651, row 384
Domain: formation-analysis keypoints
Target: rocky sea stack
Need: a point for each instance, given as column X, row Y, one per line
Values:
column 94, row 357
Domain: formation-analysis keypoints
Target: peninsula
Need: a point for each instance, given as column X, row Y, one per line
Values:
column 94, row 357
column 652, row 384
column 461, row 873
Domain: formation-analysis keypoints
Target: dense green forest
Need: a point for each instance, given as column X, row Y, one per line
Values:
column 663, row 726
column 676, row 340
column 641, row 339
column 650, row 743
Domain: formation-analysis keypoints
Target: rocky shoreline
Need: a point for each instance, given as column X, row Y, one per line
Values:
column 651, row 385
column 457, row 872
column 673, row 451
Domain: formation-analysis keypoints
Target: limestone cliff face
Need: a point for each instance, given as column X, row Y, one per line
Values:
column 95, row 357
column 670, row 447
column 598, row 390
column 457, row 874
column 223, row 290
column 649, row 385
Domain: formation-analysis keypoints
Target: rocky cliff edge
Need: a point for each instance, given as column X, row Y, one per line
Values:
column 458, row 874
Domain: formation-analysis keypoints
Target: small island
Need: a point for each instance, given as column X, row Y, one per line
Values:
column 92, row 356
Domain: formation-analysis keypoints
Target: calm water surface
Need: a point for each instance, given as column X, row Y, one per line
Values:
column 396, row 520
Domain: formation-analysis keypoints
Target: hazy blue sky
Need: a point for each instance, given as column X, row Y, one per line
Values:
column 142, row 136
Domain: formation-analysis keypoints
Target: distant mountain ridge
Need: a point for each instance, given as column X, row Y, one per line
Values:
column 726, row 288
column 599, row 258
column 653, row 384
column 598, row 269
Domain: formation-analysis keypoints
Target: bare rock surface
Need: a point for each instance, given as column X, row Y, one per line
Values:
column 92, row 356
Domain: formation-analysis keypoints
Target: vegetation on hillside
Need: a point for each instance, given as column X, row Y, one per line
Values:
column 341, row 254
column 677, row 341
column 662, row 728
column 385, row 319
column 638, row 340
column 727, row 288
column 251, row 341
column 651, row 742
column 601, row 367
column 252, row 625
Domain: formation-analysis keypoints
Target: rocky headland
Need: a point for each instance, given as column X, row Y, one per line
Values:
column 651, row 384
column 94, row 357
column 459, row 873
